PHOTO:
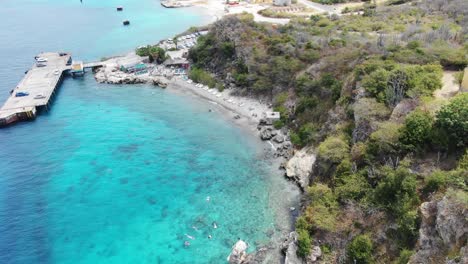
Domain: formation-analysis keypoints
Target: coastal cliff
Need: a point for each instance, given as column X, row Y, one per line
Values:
column 374, row 143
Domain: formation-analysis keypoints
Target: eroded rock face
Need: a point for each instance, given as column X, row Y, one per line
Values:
column 238, row 254
column 299, row 167
column 444, row 228
column 290, row 248
column 315, row 254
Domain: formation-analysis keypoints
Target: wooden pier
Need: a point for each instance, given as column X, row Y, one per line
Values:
column 37, row 88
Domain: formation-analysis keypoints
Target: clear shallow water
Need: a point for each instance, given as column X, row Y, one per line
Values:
column 119, row 174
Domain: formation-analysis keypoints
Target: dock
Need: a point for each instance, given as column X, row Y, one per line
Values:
column 35, row 91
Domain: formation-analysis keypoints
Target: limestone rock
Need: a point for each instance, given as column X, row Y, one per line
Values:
column 290, row 248
column 444, row 228
column 278, row 138
column 299, row 167
column 238, row 254
column 315, row 254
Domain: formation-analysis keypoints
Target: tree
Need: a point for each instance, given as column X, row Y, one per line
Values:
column 360, row 250
column 453, row 119
column 397, row 86
column 304, row 243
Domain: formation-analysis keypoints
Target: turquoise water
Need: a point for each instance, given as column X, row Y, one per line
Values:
column 120, row 174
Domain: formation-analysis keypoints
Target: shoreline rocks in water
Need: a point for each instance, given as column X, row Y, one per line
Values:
column 238, row 254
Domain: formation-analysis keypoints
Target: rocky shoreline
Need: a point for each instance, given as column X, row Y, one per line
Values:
column 295, row 165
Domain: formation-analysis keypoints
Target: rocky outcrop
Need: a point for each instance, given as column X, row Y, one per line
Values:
column 444, row 229
column 290, row 248
column 110, row 74
column 238, row 254
column 299, row 167
column 267, row 133
column 315, row 254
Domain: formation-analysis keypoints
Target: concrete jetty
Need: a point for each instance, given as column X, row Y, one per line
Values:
column 37, row 87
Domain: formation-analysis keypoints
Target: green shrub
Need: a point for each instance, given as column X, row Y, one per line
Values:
column 463, row 162
column 435, row 181
column 453, row 119
column 404, row 257
column 323, row 209
column 353, row 187
column 306, row 134
column 360, row 250
column 202, row 76
column 304, row 243
column 384, row 141
column 333, row 149
column 396, row 191
column 416, row 133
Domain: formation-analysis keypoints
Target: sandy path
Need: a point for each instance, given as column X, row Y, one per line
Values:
column 449, row 86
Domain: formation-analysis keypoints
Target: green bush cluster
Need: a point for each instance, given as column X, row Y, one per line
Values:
column 410, row 80
column 154, row 52
column 202, row 76
column 416, row 134
column 360, row 250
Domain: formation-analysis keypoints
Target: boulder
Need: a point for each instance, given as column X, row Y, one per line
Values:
column 315, row 254
column 266, row 133
column 238, row 254
column 278, row 138
column 299, row 167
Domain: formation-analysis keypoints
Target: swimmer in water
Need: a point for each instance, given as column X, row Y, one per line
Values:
column 189, row 236
column 208, row 198
column 186, row 244
column 209, row 237
column 215, row 225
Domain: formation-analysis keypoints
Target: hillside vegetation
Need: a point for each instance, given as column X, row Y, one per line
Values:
column 359, row 90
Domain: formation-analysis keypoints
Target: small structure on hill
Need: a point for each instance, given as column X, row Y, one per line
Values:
column 282, row 2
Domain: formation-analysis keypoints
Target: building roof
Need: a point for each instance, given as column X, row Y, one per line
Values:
column 273, row 115
column 176, row 61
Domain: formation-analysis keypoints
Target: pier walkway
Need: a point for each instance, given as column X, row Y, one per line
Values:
column 37, row 87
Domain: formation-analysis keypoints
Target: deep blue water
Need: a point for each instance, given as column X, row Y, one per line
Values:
column 119, row 174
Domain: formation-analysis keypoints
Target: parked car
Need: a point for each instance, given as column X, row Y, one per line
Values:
column 39, row 64
column 40, row 59
column 21, row 94
column 39, row 96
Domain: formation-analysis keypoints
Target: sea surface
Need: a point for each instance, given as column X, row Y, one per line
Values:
column 123, row 174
